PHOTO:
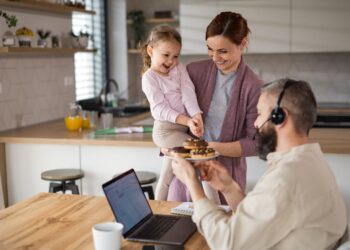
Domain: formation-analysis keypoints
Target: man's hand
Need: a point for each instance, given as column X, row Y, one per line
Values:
column 216, row 175
column 183, row 170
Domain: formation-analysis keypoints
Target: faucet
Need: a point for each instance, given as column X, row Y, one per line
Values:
column 109, row 93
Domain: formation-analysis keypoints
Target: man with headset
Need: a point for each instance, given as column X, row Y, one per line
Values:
column 296, row 204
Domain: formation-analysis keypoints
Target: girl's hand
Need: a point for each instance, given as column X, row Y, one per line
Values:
column 196, row 125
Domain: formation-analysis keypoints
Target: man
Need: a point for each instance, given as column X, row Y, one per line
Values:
column 296, row 204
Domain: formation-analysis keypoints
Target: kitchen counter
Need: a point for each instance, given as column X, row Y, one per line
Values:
column 55, row 132
column 332, row 140
column 26, row 152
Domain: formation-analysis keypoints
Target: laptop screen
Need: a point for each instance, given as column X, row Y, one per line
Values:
column 127, row 200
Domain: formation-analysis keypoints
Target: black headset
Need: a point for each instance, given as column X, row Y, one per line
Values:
column 277, row 114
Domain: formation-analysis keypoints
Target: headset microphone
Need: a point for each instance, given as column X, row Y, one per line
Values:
column 257, row 130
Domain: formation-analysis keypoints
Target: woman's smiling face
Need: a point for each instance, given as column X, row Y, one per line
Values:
column 225, row 54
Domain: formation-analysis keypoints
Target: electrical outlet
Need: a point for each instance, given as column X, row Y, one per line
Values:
column 68, row 81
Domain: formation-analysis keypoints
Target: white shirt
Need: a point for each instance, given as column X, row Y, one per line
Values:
column 296, row 204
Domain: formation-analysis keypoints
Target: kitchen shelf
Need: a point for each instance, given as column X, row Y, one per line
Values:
column 158, row 20
column 161, row 20
column 44, row 7
column 134, row 51
column 57, row 51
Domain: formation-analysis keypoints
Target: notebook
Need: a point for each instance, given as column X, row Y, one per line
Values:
column 186, row 208
column 131, row 208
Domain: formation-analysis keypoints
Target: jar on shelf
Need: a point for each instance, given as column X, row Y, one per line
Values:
column 8, row 39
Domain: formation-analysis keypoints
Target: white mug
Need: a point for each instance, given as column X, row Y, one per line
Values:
column 107, row 235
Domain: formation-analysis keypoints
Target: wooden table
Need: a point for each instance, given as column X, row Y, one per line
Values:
column 56, row 221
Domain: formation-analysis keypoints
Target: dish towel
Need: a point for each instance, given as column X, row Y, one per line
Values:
column 124, row 130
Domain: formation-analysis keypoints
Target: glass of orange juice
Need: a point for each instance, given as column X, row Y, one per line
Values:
column 73, row 123
column 86, row 120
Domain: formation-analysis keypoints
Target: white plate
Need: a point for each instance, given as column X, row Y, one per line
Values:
column 195, row 159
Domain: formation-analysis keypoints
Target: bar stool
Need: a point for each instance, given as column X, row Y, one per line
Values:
column 66, row 178
column 146, row 178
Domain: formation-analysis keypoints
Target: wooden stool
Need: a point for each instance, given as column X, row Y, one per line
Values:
column 66, row 177
column 146, row 178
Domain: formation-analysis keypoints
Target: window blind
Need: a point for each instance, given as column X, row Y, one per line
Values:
column 90, row 68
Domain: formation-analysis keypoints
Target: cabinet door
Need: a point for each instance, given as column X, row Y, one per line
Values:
column 195, row 15
column 26, row 162
column 320, row 25
column 268, row 20
column 101, row 163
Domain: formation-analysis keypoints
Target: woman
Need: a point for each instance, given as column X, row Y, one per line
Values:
column 227, row 92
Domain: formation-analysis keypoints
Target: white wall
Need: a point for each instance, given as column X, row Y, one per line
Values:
column 35, row 88
column 118, row 50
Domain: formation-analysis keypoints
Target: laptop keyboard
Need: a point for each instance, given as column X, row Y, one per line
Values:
column 157, row 226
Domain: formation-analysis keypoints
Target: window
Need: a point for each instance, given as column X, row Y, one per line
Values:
column 90, row 68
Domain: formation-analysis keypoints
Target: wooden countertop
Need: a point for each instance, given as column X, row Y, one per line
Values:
column 56, row 221
column 332, row 140
column 55, row 132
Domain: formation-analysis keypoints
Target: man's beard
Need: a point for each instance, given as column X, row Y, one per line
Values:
column 266, row 141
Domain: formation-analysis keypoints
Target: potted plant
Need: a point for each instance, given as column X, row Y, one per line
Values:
column 75, row 39
column 136, row 19
column 84, row 39
column 25, row 36
column 81, row 40
column 8, row 38
column 11, row 21
column 42, row 37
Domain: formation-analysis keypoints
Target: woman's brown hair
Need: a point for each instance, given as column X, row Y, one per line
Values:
column 230, row 25
column 158, row 33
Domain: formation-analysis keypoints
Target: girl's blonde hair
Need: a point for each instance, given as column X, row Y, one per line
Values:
column 158, row 33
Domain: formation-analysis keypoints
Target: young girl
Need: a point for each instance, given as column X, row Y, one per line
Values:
column 171, row 96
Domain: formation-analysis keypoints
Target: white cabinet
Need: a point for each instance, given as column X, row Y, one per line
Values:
column 26, row 162
column 277, row 26
column 195, row 15
column 269, row 23
column 101, row 163
column 268, row 20
column 320, row 25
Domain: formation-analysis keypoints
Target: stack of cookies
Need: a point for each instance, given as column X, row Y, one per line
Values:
column 193, row 149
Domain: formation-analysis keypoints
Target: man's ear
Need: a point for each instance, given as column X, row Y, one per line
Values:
column 285, row 120
column 149, row 50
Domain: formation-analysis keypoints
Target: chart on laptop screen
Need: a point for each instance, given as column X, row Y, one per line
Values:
column 127, row 201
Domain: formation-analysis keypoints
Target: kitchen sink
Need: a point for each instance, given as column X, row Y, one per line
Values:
column 130, row 109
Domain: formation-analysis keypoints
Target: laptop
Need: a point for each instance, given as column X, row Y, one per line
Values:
column 131, row 208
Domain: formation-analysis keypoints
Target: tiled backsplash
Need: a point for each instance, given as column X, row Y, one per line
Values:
column 34, row 89
column 327, row 73
column 38, row 89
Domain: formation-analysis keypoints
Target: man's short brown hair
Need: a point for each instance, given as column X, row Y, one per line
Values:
column 298, row 99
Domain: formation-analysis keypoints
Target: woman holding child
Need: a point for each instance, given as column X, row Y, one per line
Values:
column 227, row 92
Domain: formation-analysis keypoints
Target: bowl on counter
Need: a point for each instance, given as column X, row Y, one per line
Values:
column 73, row 123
